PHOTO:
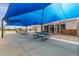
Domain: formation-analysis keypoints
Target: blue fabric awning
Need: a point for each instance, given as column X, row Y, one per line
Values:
column 61, row 11
column 71, row 10
column 53, row 12
column 15, row 9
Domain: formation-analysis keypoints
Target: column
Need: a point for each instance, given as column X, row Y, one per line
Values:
column 78, row 27
column 59, row 28
column 2, row 29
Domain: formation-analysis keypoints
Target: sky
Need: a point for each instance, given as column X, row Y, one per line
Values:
column 3, row 10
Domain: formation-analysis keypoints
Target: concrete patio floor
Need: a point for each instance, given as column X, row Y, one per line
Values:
column 22, row 45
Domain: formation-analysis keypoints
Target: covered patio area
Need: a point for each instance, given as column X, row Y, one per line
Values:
column 21, row 42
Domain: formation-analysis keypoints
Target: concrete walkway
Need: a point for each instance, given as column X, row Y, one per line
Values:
column 65, row 37
column 22, row 45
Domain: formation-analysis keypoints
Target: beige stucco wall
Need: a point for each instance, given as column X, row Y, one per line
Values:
column 38, row 28
column 72, row 24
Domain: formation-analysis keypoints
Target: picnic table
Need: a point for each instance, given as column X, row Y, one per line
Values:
column 41, row 35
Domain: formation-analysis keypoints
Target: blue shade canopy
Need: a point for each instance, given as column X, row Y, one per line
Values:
column 53, row 12
column 15, row 24
column 61, row 11
column 32, row 18
column 71, row 10
column 35, row 17
column 20, row 8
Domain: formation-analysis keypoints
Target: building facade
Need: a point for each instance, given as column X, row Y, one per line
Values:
column 69, row 27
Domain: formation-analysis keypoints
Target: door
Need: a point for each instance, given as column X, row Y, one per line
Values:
column 55, row 29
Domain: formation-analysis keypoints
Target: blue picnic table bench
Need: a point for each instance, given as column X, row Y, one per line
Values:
column 41, row 35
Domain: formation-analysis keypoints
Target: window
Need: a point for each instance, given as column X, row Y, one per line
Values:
column 63, row 26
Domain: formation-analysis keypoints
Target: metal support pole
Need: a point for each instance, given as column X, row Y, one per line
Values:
column 30, row 29
column 26, row 29
column 2, row 29
column 42, row 20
